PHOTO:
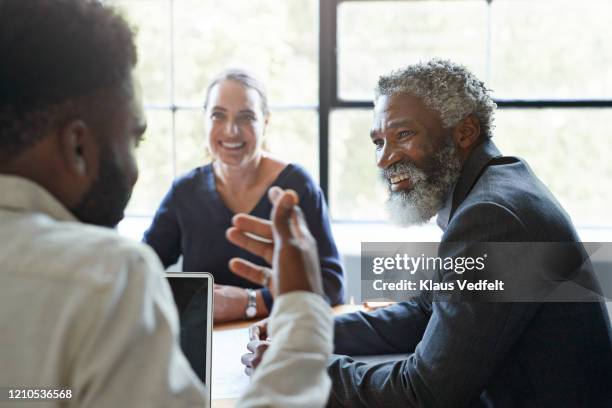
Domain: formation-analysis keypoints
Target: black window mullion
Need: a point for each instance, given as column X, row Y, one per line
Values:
column 328, row 75
column 509, row 103
column 328, row 87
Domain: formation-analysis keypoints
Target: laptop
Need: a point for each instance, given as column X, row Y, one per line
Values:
column 193, row 295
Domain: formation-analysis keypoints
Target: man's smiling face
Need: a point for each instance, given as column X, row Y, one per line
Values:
column 416, row 156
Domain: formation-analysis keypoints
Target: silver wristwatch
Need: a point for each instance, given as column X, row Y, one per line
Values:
column 251, row 309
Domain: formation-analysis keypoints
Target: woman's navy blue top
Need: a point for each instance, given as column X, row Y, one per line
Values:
column 192, row 219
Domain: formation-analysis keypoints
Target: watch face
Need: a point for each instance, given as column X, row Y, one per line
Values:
column 251, row 311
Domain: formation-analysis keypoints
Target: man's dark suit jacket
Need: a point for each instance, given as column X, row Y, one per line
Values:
column 469, row 354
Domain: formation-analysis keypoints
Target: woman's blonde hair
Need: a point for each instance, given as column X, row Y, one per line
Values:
column 244, row 78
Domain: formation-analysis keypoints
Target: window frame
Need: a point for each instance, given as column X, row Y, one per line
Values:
column 329, row 99
column 173, row 107
column 328, row 92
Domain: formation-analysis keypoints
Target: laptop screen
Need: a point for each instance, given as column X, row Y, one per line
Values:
column 191, row 295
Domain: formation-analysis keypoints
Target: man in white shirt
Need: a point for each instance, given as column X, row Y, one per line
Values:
column 84, row 311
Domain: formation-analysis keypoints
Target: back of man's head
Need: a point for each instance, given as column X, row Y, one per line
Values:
column 57, row 55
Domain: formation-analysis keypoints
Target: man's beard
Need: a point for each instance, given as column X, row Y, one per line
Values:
column 107, row 197
column 430, row 187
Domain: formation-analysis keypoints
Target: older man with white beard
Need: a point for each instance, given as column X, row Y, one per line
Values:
column 431, row 185
column 432, row 133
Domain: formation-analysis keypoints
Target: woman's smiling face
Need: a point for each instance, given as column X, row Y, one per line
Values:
column 235, row 123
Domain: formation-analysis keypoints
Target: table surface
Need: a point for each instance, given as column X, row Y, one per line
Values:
column 229, row 343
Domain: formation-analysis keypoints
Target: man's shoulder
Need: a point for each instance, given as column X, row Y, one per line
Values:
column 500, row 189
column 508, row 191
column 505, row 179
column 511, row 183
column 81, row 254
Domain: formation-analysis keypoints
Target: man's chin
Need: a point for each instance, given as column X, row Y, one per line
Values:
column 409, row 219
column 113, row 223
column 112, row 220
column 405, row 212
column 106, row 220
column 97, row 209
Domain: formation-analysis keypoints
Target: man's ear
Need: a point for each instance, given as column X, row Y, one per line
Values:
column 79, row 149
column 467, row 132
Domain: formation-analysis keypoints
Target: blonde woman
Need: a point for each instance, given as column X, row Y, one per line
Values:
column 193, row 217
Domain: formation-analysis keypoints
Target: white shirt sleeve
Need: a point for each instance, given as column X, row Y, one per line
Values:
column 132, row 357
column 293, row 372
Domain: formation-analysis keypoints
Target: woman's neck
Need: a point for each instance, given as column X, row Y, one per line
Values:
column 238, row 178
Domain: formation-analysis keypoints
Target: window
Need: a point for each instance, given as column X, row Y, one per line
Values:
column 375, row 37
column 183, row 44
column 550, row 49
column 569, row 150
column 547, row 63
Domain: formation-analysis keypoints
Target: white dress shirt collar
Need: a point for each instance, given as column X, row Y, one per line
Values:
column 21, row 194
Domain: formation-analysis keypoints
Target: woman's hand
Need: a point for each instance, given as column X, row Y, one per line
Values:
column 230, row 303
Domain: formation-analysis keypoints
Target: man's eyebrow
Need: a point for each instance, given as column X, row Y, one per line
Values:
column 218, row 108
column 394, row 124
column 247, row 111
column 400, row 123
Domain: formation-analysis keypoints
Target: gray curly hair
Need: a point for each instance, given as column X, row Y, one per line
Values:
column 445, row 87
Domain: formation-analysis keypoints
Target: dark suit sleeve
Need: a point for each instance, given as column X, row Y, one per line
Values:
column 315, row 211
column 462, row 346
column 164, row 234
column 391, row 330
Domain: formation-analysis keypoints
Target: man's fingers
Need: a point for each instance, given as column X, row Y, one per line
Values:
column 297, row 224
column 237, row 237
column 249, row 362
column 254, row 333
column 257, row 349
column 281, row 215
column 253, row 225
column 252, row 344
column 273, row 193
column 257, row 346
column 259, row 330
column 301, row 221
column 250, row 271
column 247, row 359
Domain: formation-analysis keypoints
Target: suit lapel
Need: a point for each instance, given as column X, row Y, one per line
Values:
column 478, row 160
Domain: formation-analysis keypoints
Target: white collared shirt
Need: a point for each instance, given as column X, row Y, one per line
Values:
column 85, row 309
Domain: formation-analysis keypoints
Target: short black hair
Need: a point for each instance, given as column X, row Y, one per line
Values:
column 52, row 53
